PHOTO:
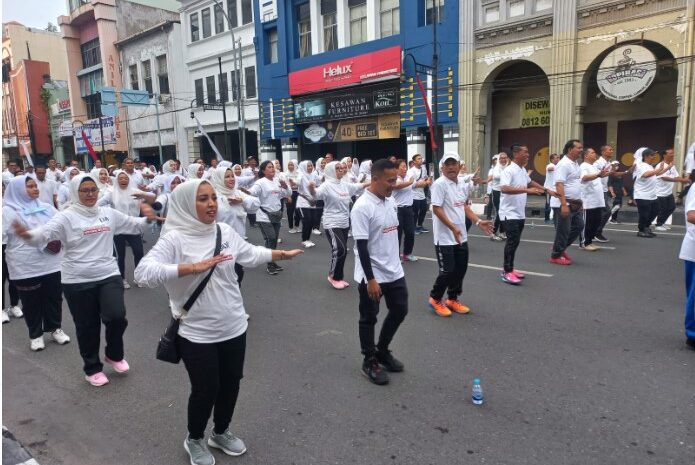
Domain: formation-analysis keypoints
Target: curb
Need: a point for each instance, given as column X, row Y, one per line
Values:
column 13, row 453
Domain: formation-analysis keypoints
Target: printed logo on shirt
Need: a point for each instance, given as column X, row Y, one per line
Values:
column 459, row 203
column 96, row 230
column 389, row 229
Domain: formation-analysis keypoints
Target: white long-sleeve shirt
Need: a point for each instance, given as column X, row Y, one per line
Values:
column 235, row 215
column 270, row 194
column 218, row 314
column 87, row 242
column 336, row 203
column 26, row 260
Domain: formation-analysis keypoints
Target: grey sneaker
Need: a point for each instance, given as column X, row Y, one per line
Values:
column 198, row 451
column 227, row 443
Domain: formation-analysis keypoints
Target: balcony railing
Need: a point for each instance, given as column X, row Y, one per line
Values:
column 75, row 4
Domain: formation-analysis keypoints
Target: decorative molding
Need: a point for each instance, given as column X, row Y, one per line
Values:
column 600, row 13
column 514, row 32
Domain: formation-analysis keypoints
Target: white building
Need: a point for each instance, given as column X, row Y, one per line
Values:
column 207, row 39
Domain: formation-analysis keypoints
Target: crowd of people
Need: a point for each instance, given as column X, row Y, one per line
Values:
column 77, row 225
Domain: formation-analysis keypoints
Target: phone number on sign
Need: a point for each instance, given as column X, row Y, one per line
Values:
column 535, row 121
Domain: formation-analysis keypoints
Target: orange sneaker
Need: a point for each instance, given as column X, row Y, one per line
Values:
column 456, row 306
column 439, row 308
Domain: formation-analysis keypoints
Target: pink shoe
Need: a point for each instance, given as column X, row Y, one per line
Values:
column 510, row 278
column 336, row 284
column 97, row 379
column 345, row 283
column 519, row 274
column 120, row 366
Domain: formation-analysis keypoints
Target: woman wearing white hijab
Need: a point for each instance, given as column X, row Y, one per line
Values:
column 161, row 204
column 232, row 205
column 92, row 284
column 212, row 333
column 355, row 167
column 336, row 195
column 101, row 175
column 196, row 171
column 293, row 175
column 127, row 199
column 306, row 203
column 64, row 189
column 365, row 173
column 35, row 270
column 350, row 175
column 319, row 167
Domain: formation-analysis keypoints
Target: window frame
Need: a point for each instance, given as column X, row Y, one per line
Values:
column 134, row 84
column 516, row 2
column 219, row 19
column 272, row 46
column 147, row 76
column 194, row 22
column 246, row 7
column 90, row 53
column 362, row 20
column 199, row 87
column 300, row 34
column 162, row 77
column 440, row 7
column 390, row 11
column 224, row 87
column 206, row 23
column 250, row 81
column 210, row 82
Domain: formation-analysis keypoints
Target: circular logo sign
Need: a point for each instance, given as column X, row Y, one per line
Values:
column 315, row 133
column 626, row 72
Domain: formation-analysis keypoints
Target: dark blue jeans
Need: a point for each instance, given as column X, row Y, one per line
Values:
column 690, row 299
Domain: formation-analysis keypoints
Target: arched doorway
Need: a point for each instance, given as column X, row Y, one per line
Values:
column 519, row 112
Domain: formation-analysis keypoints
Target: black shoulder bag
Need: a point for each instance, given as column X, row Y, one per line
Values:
column 167, row 351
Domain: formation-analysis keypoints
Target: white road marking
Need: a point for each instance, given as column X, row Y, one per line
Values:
column 634, row 231
column 494, row 268
column 539, row 242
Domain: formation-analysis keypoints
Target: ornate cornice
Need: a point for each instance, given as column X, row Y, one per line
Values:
column 599, row 13
column 517, row 31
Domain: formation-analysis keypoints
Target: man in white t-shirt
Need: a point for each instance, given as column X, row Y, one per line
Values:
column 604, row 163
column 10, row 171
column 687, row 253
column 515, row 184
column 592, row 197
column 664, row 191
column 378, row 270
column 419, row 172
column 53, row 172
column 644, row 190
column 48, row 188
column 450, row 210
column 549, row 185
column 569, row 215
column 136, row 179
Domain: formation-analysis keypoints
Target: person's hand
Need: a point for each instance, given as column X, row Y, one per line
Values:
column 476, row 180
column 312, row 185
column 457, row 235
column 147, row 212
column 234, row 200
column 486, row 227
column 552, row 193
column 565, row 211
column 205, row 265
column 290, row 254
column 139, row 195
column 535, row 191
column 288, row 199
column 374, row 290
column 283, row 184
column 21, row 230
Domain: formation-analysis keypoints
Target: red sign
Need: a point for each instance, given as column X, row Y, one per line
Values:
column 64, row 105
column 354, row 70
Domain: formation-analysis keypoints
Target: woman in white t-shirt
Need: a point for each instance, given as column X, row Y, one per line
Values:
column 34, row 270
column 293, row 218
column 212, row 333
column 306, row 202
column 644, row 189
column 64, row 189
column 498, row 229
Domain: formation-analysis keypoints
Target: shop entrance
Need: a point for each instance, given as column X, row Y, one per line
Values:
column 536, row 139
column 362, row 150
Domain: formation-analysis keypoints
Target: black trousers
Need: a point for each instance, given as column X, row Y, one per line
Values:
column 453, row 264
column 593, row 217
column 91, row 304
column 337, row 238
column 488, row 207
column 214, row 371
column 319, row 215
column 396, row 296
column 406, row 226
column 497, row 226
column 514, row 229
column 239, row 270
column 567, row 230
column 547, row 207
column 606, row 213
column 293, row 211
column 309, row 216
column 667, row 205
column 135, row 242
column 647, row 211
column 270, row 232
column 43, row 303
column 252, row 219
column 419, row 210
column 11, row 288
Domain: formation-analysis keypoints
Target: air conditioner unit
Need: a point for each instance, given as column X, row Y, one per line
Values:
column 164, row 98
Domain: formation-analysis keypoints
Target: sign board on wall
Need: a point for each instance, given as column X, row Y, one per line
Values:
column 93, row 132
column 626, row 72
column 376, row 127
column 364, row 101
column 354, row 70
column 535, row 112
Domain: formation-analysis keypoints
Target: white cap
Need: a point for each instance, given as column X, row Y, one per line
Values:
column 449, row 156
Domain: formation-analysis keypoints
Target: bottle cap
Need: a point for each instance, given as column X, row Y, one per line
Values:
column 476, row 381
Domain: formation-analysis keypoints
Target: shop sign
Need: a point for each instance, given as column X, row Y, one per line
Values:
column 535, row 112
column 372, row 100
column 626, row 72
column 9, row 142
column 93, row 132
column 377, row 127
column 354, row 70
column 65, row 129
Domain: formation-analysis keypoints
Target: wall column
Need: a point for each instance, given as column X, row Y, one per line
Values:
column 290, row 151
column 685, row 122
column 451, row 142
column 416, row 143
column 469, row 141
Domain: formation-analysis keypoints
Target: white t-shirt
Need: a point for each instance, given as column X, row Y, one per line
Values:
column 88, row 242
column 26, row 260
column 513, row 206
column 404, row 197
column 644, row 188
column 550, row 177
column 304, row 192
column 592, row 191
column 601, row 164
column 489, row 184
column 6, row 177
column 569, row 174
column 448, row 195
column 688, row 246
column 418, row 174
column 665, row 188
column 496, row 176
column 270, row 195
column 55, row 175
column 377, row 221
column 336, row 198
column 235, row 215
column 136, row 179
column 218, row 314
column 47, row 189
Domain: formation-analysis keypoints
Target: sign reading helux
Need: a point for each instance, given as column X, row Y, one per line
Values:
column 353, row 70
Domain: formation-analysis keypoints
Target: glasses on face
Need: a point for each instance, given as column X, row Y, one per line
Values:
column 88, row 191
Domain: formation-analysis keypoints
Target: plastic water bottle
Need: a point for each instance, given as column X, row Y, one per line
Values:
column 477, row 394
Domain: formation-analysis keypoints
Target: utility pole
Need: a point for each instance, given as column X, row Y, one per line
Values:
column 159, row 130
column 435, row 63
column 224, row 111
column 101, row 132
column 240, row 107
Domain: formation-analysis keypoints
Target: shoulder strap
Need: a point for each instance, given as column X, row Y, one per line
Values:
column 198, row 290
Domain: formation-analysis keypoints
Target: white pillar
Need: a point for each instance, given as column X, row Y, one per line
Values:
column 415, row 143
column 290, row 151
column 451, row 141
column 267, row 152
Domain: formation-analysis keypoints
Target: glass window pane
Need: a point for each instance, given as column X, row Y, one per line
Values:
column 195, row 28
column 212, row 93
column 219, row 19
column 199, row 97
column 492, row 14
column 246, row 11
column 232, row 12
column 250, row 79
column 134, row 81
column 516, row 8
column 543, row 4
column 224, row 88
column 205, row 15
column 330, row 32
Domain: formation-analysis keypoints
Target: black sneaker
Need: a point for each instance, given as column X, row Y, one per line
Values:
column 277, row 267
column 271, row 270
column 643, row 234
column 372, row 370
column 690, row 343
column 389, row 362
column 601, row 238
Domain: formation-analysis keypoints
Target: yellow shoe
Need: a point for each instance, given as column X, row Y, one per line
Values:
column 456, row 306
column 439, row 308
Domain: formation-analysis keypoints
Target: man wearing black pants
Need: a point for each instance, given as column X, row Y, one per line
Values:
column 515, row 184
column 569, row 221
column 378, row 271
column 419, row 173
column 664, row 192
column 593, row 198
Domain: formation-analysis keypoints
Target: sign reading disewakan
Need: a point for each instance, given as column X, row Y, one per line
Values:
column 378, row 127
column 535, row 112
column 626, row 72
column 353, row 70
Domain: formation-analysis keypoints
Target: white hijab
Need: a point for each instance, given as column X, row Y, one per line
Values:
column 330, row 174
column 182, row 215
column 317, row 167
column 193, row 170
column 304, row 171
column 75, row 204
column 33, row 212
column 123, row 199
column 169, row 179
column 217, row 181
column 168, row 167
column 103, row 187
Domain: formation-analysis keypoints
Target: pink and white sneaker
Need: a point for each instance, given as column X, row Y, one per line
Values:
column 336, row 284
column 519, row 274
column 97, row 379
column 510, row 278
column 120, row 367
column 345, row 283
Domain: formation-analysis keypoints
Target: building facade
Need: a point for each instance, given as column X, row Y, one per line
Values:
column 57, row 98
column 540, row 72
column 355, row 77
column 215, row 34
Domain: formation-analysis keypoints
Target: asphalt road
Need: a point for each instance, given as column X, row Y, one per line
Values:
column 580, row 365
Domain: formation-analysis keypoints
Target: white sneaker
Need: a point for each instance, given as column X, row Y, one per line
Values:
column 308, row 244
column 660, row 228
column 140, row 285
column 279, row 240
column 349, row 233
column 60, row 337
column 37, row 344
column 5, row 316
column 293, row 230
column 316, row 232
column 16, row 312
column 126, row 284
